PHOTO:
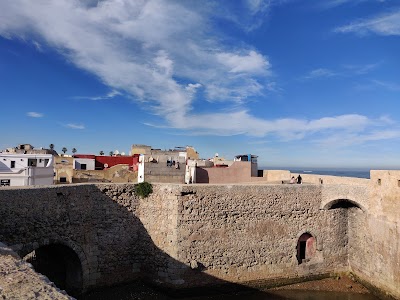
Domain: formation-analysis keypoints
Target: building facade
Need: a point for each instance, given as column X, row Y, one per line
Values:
column 26, row 169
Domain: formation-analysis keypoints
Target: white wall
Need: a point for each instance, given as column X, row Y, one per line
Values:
column 141, row 168
column 23, row 174
column 89, row 162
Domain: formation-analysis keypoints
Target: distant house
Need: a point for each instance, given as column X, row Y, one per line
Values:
column 243, row 168
column 94, row 168
column 166, row 166
column 84, row 162
column 26, row 169
column 28, row 149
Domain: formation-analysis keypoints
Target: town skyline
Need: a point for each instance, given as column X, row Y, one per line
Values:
column 298, row 83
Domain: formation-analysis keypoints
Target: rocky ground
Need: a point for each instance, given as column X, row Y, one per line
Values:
column 18, row 280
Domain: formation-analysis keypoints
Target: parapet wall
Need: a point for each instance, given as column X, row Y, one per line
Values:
column 195, row 235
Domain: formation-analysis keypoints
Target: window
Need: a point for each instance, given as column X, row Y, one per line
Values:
column 32, row 162
column 12, row 164
column 63, row 179
column 83, row 166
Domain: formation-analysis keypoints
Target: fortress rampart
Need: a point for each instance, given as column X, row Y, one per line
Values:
column 195, row 235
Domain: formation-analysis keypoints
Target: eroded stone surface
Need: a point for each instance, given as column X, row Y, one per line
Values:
column 19, row 281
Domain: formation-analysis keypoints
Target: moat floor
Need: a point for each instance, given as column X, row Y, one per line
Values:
column 329, row 289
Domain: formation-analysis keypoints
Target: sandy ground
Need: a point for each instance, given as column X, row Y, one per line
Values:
column 338, row 284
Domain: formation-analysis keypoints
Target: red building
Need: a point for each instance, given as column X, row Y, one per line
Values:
column 102, row 162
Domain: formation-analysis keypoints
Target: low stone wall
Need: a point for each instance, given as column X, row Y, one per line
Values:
column 276, row 175
column 327, row 179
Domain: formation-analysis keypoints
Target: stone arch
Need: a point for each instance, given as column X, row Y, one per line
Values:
column 79, row 263
column 342, row 203
column 307, row 245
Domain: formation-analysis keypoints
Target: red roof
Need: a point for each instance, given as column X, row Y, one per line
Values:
column 90, row 156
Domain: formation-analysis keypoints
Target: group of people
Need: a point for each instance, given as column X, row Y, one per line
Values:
column 297, row 180
column 171, row 163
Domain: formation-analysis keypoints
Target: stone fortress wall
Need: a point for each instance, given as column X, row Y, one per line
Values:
column 194, row 235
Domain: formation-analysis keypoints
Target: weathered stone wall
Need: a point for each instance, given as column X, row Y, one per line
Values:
column 242, row 233
column 193, row 235
column 98, row 223
column 374, row 249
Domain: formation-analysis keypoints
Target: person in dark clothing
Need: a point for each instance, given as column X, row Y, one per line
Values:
column 299, row 179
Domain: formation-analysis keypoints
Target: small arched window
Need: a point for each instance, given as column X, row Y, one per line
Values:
column 306, row 247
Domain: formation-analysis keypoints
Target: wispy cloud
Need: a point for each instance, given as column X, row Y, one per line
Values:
column 326, row 4
column 351, row 139
column 320, row 73
column 75, row 126
column 344, row 71
column 109, row 95
column 391, row 86
column 361, row 69
column 384, row 24
column 33, row 114
column 374, row 84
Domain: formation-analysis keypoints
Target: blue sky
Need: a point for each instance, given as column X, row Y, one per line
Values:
column 300, row 83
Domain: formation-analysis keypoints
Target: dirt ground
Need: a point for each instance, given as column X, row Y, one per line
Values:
column 338, row 284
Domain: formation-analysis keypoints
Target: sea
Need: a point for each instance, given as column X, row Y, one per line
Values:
column 359, row 173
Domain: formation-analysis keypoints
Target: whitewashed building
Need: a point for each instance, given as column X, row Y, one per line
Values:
column 26, row 169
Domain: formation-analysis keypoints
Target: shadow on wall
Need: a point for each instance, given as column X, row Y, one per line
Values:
column 90, row 238
column 202, row 175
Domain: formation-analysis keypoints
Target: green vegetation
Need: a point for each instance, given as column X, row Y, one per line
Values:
column 143, row 189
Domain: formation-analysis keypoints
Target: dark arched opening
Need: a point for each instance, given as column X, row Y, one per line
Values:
column 60, row 264
column 306, row 247
column 342, row 203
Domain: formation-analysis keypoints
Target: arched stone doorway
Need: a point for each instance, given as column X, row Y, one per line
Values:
column 342, row 203
column 60, row 264
column 306, row 247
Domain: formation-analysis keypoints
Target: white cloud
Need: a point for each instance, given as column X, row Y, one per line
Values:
column 385, row 24
column 75, row 126
column 141, row 47
column 257, row 6
column 241, row 122
column 252, row 63
column 33, row 114
column 109, row 95
column 162, row 53
column 193, row 87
